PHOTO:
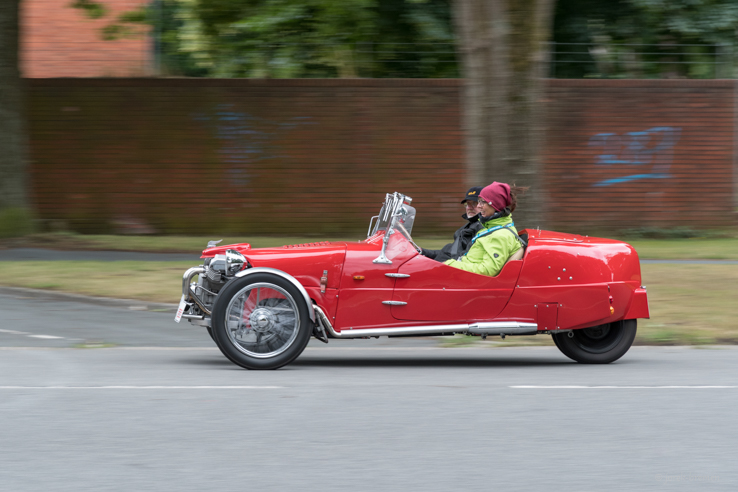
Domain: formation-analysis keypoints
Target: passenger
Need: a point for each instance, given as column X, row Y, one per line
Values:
column 465, row 233
column 492, row 246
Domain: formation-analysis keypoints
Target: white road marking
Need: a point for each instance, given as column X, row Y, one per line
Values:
column 48, row 337
column 13, row 332
column 621, row 387
column 136, row 387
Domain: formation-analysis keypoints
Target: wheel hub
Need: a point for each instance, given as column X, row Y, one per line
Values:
column 261, row 320
column 597, row 332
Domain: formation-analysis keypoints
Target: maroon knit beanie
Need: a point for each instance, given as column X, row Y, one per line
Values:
column 497, row 195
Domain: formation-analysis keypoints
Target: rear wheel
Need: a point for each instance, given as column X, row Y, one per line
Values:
column 261, row 321
column 599, row 344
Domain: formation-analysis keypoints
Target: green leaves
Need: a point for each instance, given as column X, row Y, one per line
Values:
column 645, row 38
column 93, row 10
column 317, row 38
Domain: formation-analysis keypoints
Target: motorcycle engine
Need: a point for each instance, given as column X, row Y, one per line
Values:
column 218, row 271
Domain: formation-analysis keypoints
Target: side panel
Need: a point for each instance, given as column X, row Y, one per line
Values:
column 578, row 306
column 365, row 285
column 437, row 292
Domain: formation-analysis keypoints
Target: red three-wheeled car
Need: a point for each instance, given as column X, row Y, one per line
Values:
column 261, row 306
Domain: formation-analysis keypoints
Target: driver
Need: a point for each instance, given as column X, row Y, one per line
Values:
column 492, row 246
column 465, row 233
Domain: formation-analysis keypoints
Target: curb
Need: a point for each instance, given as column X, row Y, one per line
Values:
column 131, row 304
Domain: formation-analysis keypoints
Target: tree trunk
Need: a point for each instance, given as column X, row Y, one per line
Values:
column 14, row 214
column 504, row 57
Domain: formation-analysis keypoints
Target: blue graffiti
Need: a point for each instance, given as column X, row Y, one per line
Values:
column 653, row 147
column 246, row 140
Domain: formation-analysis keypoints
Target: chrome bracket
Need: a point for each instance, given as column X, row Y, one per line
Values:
column 394, row 303
column 319, row 331
column 382, row 258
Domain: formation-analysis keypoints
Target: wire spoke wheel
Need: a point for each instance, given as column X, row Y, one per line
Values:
column 261, row 321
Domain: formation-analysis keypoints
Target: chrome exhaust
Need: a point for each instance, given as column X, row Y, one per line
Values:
column 187, row 288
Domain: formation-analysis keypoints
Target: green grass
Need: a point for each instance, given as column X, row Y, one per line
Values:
column 15, row 222
column 145, row 281
column 691, row 249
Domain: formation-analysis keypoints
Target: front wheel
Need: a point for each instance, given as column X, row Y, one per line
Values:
column 599, row 344
column 261, row 321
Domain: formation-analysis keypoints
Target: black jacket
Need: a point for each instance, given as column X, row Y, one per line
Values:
column 462, row 241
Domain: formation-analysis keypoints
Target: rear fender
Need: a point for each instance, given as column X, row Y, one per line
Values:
column 638, row 305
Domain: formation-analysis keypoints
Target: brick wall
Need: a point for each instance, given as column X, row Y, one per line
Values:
column 244, row 156
column 60, row 41
column 626, row 154
column 316, row 156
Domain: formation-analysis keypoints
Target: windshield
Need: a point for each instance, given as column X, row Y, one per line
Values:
column 404, row 220
column 397, row 213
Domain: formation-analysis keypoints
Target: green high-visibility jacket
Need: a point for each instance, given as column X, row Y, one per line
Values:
column 490, row 250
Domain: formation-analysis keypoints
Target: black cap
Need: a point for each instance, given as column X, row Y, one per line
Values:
column 473, row 193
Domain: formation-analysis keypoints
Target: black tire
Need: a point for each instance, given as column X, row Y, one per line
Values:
column 261, row 333
column 210, row 332
column 600, row 344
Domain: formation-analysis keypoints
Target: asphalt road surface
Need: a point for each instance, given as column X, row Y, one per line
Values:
column 151, row 405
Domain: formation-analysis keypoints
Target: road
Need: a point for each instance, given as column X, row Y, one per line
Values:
column 151, row 405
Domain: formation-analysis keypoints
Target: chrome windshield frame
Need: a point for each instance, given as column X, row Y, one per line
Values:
column 392, row 210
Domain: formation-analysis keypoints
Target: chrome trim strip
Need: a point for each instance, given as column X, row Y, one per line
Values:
column 506, row 327
column 286, row 276
column 396, row 275
column 394, row 303
column 408, row 330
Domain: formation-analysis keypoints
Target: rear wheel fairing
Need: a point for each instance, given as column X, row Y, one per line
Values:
column 590, row 280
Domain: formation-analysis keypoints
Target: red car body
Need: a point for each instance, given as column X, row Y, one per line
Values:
column 262, row 305
column 563, row 282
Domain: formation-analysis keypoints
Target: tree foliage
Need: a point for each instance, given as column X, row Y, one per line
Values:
column 645, row 38
column 417, row 38
column 288, row 38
